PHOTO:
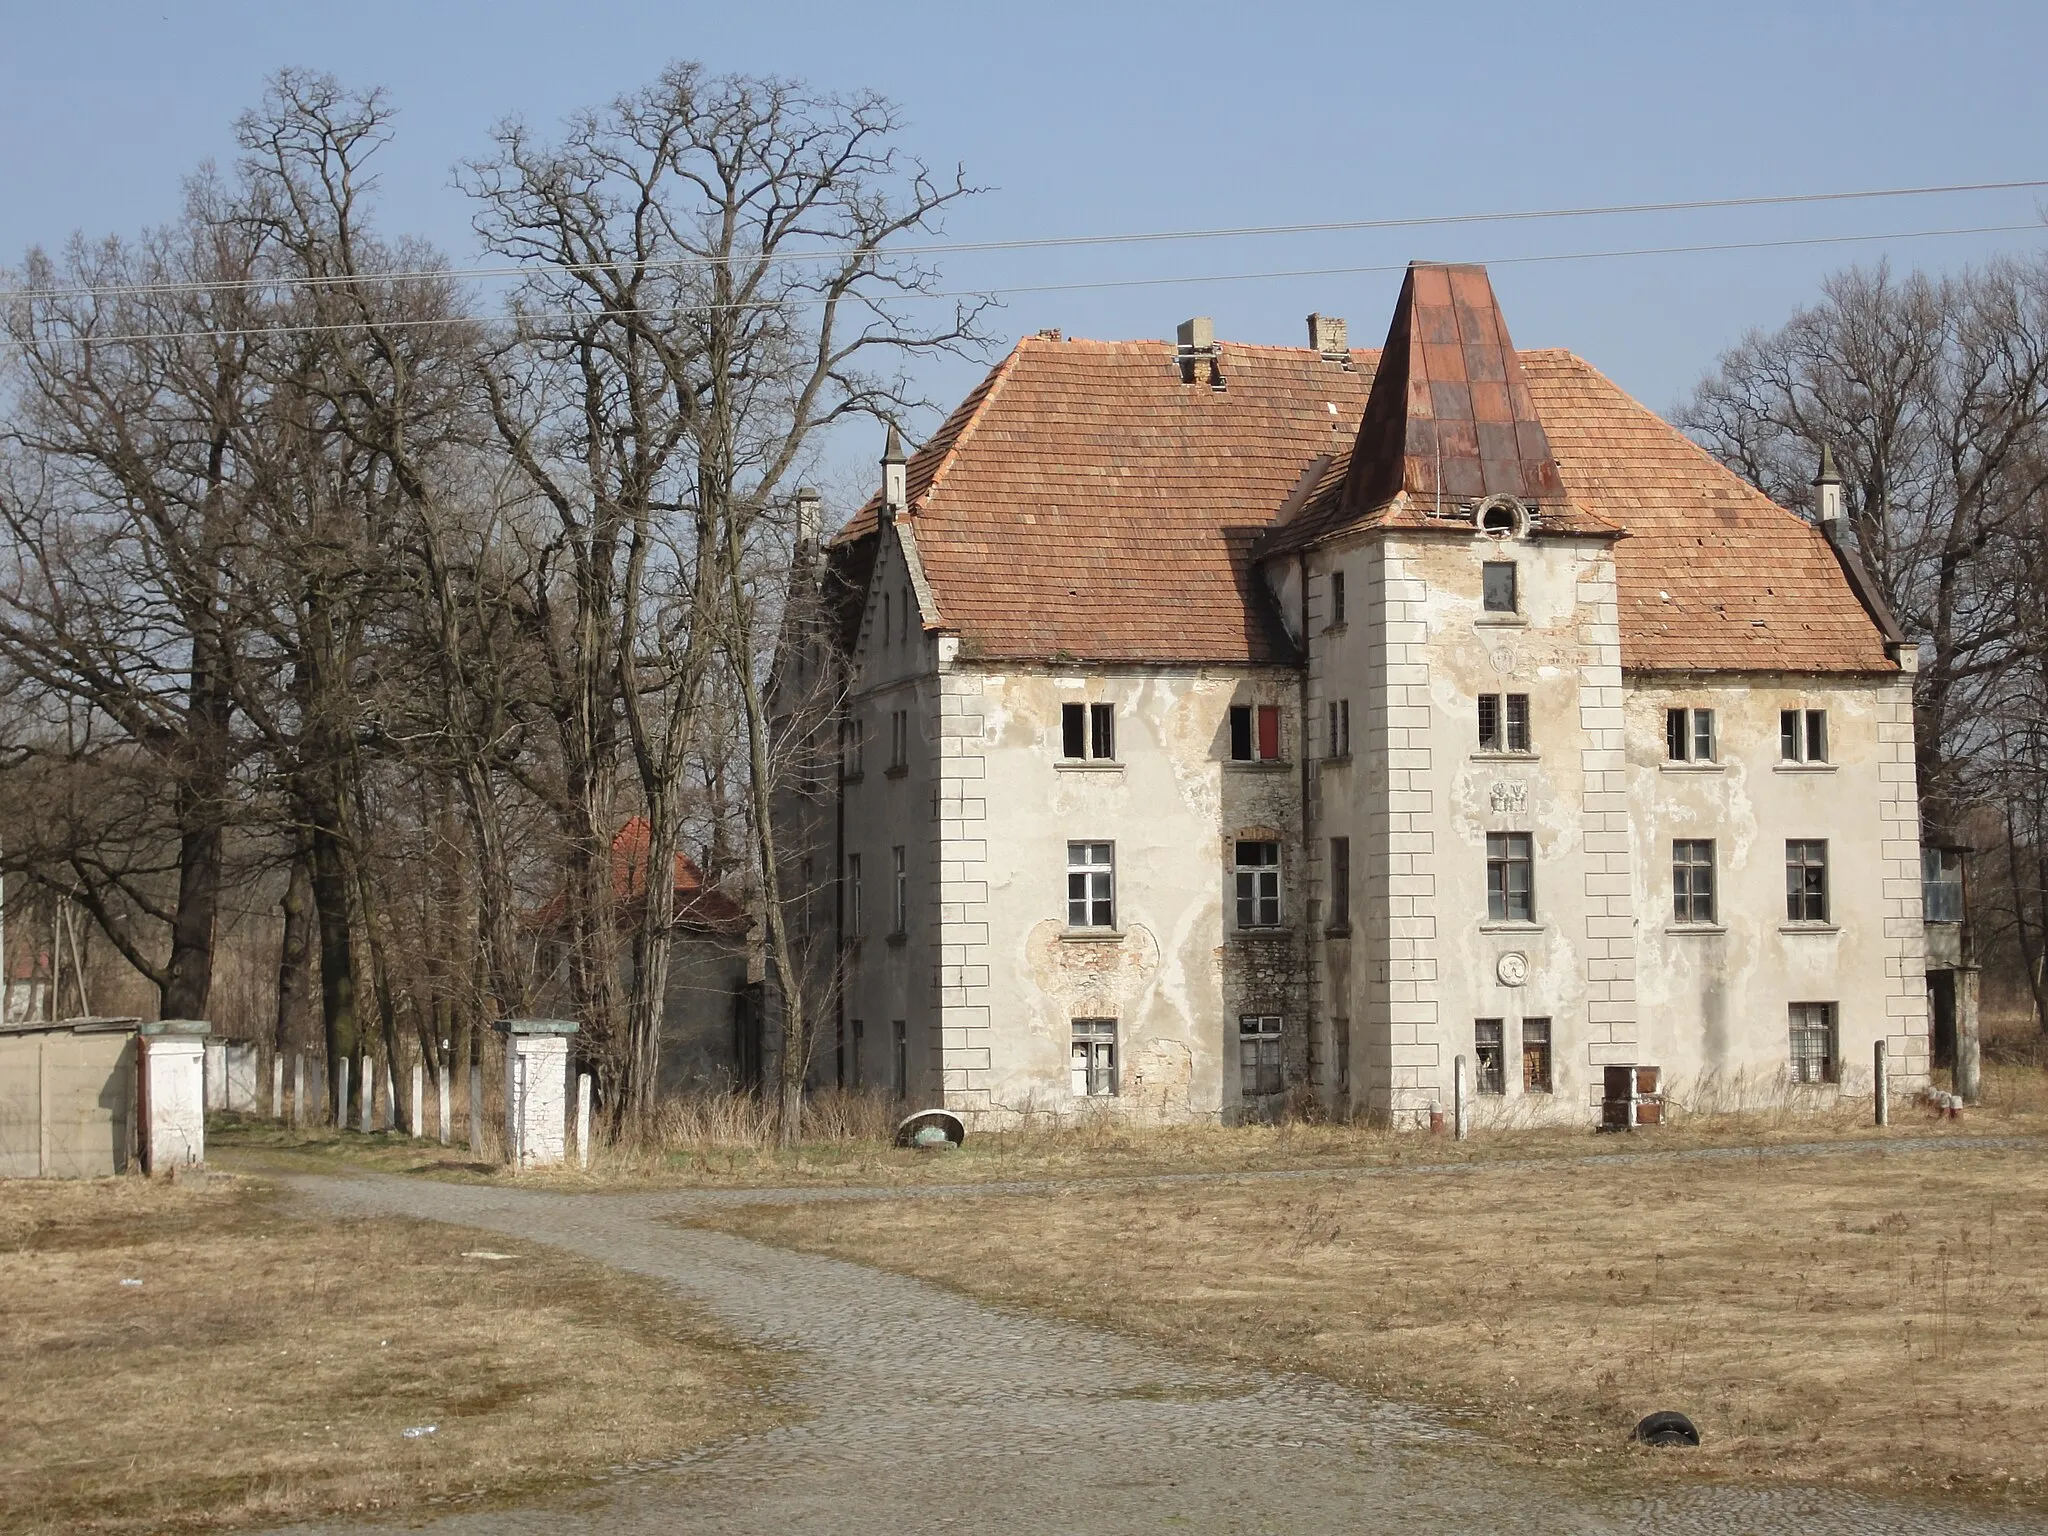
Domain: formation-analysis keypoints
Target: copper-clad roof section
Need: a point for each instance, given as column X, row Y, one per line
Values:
column 1450, row 415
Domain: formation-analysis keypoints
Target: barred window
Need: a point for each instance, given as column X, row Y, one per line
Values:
column 1535, row 1055
column 1503, row 722
column 1813, row 1045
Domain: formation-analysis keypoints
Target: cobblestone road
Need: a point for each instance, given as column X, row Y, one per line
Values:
column 924, row 1411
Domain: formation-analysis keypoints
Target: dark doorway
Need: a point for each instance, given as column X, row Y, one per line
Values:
column 1941, row 997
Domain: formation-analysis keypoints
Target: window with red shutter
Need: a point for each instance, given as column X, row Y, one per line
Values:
column 1269, row 733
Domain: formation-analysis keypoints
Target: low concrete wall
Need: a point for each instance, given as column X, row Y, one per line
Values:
column 67, row 1102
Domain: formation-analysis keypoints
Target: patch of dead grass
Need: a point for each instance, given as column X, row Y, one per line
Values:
column 1876, row 1319
column 725, row 1146
column 266, row 1366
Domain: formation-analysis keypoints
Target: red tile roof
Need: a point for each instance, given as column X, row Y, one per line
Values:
column 1085, row 503
column 697, row 905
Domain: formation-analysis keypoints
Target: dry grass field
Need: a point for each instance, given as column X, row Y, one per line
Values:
column 1878, row 1319
column 265, row 1368
column 728, row 1142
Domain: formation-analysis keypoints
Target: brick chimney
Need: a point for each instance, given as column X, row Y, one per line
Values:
column 1328, row 335
column 1197, row 338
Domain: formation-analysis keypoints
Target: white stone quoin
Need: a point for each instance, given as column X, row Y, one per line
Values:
column 174, row 1093
column 536, row 1091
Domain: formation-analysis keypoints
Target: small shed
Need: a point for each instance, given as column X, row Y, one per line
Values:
column 74, row 1105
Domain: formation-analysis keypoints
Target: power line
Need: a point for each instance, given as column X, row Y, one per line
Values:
column 1051, row 242
column 1075, row 287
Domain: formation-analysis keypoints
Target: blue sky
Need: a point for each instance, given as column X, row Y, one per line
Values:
column 1107, row 117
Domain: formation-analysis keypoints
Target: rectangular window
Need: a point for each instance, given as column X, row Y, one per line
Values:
column 1091, row 885
column 1336, row 597
column 1941, row 885
column 852, row 739
column 1803, row 735
column 899, row 738
column 1094, row 1059
column 1489, row 1057
column 1510, row 889
column 853, row 894
column 1260, row 1070
column 888, row 631
column 1692, row 880
column 899, row 1041
column 1258, row 885
column 1269, row 733
column 1503, row 722
column 1814, row 1057
column 1340, row 727
column 1088, row 731
column 1689, row 735
column 1240, row 733
column 1498, row 586
column 1806, row 881
column 1535, row 1055
column 1340, row 882
column 902, row 903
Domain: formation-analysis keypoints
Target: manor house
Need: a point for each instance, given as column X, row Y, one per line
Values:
column 1226, row 724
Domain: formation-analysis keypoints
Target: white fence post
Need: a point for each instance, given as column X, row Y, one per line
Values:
column 369, row 1095
column 1459, row 1123
column 341, row 1098
column 277, row 1087
column 476, row 1108
column 1881, row 1086
column 298, row 1088
column 446, row 1066
column 583, row 1120
column 419, row 1099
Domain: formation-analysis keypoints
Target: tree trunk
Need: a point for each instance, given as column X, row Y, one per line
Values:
column 337, row 955
column 295, row 956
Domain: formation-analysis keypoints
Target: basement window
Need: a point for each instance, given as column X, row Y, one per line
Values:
column 1489, row 1056
column 1094, row 1059
column 1260, row 1070
column 1535, row 1055
column 1814, row 1056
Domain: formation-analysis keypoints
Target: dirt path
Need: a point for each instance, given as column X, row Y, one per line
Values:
column 926, row 1411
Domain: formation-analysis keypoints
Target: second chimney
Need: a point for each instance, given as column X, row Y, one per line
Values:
column 1328, row 335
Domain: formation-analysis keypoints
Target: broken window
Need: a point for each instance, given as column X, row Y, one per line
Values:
column 853, row 895
column 1498, row 586
column 1692, row 880
column 1814, row 1058
column 1689, row 735
column 1941, row 885
column 1091, row 885
column 1340, row 882
column 1336, row 598
column 1258, row 885
column 1094, row 1059
column 1535, row 1055
column 1803, row 735
column 1510, row 886
column 1503, row 722
column 1260, row 1069
column 1806, row 881
column 1340, row 728
column 1489, row 1056
column 899, row 1041
column 1255, row 733
column 1088, row 731
column 902, row 907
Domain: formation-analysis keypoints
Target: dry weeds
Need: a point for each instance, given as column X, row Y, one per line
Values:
column 265, row 1368
column 1873, row 1319
column 727, row 1141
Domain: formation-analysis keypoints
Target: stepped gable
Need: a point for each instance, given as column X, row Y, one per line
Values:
column 1085, row 503
column 1714, row 576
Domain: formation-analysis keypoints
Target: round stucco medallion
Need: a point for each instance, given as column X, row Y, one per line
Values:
column 1512, row 968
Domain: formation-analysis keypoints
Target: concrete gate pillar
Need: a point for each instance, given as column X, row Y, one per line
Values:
column 536, row 1090
column 173, row 1094
column 1969, row 1041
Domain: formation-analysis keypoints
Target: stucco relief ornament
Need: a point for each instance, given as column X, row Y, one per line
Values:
column 1504, row 658
column 1512, row 968
column 1509, row 795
